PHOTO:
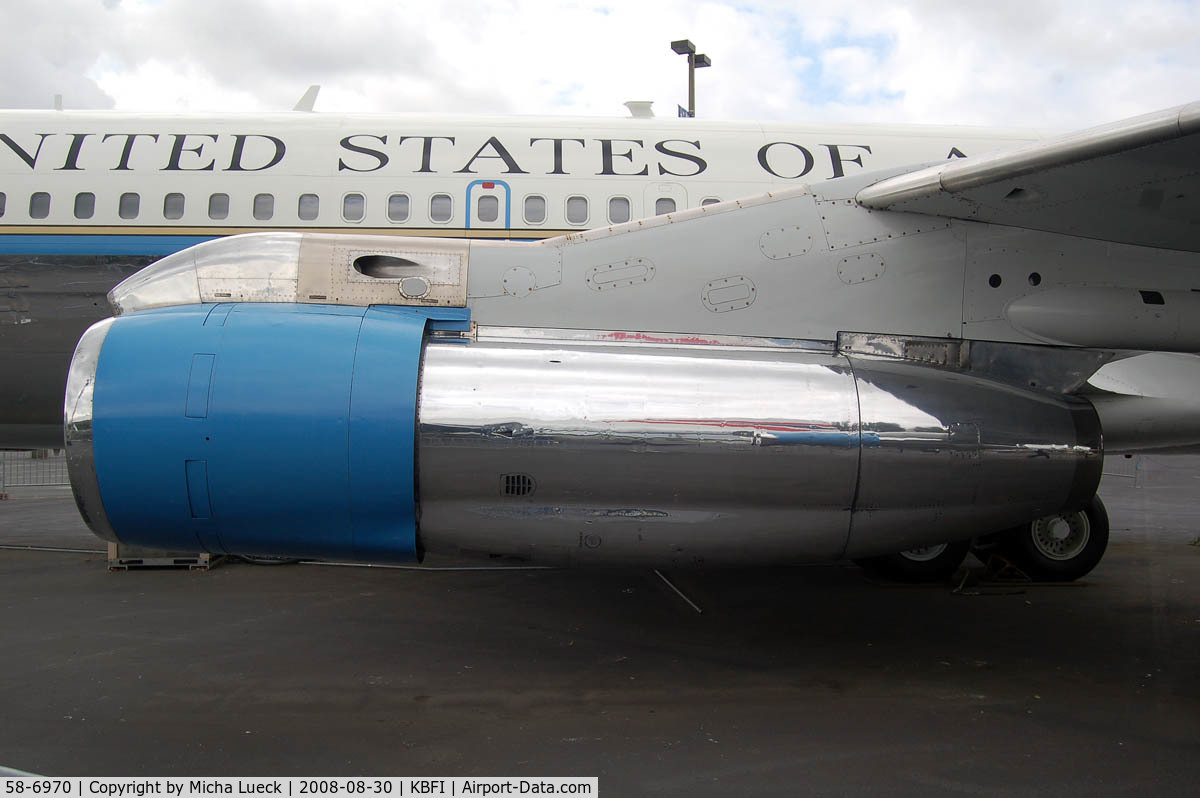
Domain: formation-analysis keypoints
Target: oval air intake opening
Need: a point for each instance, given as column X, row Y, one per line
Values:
column 385, row 266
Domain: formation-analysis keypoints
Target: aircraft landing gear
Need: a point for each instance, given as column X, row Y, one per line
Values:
column 926, row 564
column 1058, row 548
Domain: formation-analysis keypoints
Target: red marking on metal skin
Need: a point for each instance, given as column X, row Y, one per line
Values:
column 773, row 426
column 660, row 339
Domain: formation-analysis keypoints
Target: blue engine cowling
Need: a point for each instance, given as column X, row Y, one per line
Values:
column 268, row 428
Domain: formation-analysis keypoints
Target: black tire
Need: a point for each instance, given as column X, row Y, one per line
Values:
column 1059, row 548
column 919, row 565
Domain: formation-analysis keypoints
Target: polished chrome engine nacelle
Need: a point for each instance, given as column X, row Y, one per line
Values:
column 569, row 453
column 368, row 434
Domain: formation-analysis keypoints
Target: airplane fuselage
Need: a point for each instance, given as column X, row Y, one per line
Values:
column 88, row 198
column 69, row 173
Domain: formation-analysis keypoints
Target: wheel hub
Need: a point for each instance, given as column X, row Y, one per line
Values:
column 1061, row 537
column 1058, row 528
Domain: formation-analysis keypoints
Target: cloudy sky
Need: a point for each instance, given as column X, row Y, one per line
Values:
column 1044, row 64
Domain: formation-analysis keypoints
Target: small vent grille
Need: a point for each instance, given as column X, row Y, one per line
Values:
column 516, row 484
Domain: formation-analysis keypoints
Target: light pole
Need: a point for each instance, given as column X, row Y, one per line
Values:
column 685, row 47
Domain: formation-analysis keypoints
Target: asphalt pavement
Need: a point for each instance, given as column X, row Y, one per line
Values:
column 807, row 680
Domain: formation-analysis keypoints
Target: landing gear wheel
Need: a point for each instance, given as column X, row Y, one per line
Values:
column 925, row 564
column 1060, row 548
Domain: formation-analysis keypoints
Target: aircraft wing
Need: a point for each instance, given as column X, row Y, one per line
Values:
column 1136, row 181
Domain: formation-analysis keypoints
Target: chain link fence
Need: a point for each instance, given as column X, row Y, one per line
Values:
column 1125, row 467
column 32, row 468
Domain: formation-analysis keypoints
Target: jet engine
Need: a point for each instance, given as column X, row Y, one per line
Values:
column 378, row 433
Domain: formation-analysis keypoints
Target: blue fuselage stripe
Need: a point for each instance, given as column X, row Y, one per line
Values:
column 96, row 244
column 37, row 244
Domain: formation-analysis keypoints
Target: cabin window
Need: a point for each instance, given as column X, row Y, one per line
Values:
column 85, row 205
column 264, row 206
column 3, row 201
column 218, row 206
column 173, row 206
column 441, row 207
column 709, row 201
column 39, row 205
column 618, row 209
column 535, row 209
column 577, row 210
column 308, row 207
column 398, row 208
column 129, row 205
column 354, row 207
column 487, row 209
column 664, row 205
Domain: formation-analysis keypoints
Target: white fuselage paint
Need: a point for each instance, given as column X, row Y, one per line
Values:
column 340, row 163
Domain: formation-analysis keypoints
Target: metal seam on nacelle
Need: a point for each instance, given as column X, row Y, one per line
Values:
column 79, row 432
column 1088, row 470
column 851, row 366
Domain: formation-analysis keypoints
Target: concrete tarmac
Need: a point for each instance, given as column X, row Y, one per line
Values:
column 808, row 680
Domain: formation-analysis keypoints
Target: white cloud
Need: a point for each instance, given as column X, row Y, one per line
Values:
column 47, row 50
column 1045, row 64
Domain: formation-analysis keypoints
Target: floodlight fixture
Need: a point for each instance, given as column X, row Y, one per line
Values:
column 685, row 47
